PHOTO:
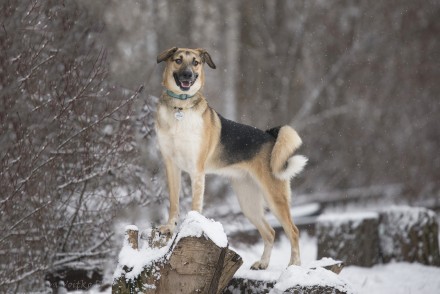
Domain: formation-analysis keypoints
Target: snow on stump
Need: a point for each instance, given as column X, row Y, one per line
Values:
column 409, row 234
column 302, row 280
column 196, row 260
column 295, row 279
column 350, row 237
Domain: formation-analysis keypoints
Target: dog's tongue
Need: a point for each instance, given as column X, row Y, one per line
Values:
column 186, row 84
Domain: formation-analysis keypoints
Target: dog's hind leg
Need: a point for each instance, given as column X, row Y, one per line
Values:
column 251, row 202
column 277, row 198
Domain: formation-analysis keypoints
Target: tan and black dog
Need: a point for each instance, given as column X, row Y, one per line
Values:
column 196, row 139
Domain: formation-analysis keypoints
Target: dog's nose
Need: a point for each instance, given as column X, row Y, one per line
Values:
column 187, row 74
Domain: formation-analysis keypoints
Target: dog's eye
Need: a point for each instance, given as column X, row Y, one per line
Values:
column 178, row 61
column 195, row 63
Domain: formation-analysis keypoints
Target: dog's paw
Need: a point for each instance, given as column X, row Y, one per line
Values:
column 295, row 262
column 167, row 229
column 259, row 265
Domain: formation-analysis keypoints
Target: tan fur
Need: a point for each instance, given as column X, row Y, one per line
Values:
column 284, row 165
column 193, row 145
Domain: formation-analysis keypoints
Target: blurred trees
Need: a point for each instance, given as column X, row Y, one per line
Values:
column 67, row 143
column 359, row 80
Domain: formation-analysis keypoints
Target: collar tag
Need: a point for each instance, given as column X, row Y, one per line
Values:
column 179, row 115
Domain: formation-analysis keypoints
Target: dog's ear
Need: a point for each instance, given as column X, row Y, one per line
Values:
column 166, row 54
column 206, row 58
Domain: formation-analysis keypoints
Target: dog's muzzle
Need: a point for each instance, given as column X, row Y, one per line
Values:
column 185, row 79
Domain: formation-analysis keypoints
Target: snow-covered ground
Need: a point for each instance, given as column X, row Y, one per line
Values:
column 398, row 278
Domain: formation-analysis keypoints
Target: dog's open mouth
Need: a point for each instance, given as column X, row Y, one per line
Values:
column 184, row 84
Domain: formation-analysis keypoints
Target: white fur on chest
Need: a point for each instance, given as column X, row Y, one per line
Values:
column 180, row 140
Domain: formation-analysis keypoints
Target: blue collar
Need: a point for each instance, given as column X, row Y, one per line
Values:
column 179, row 96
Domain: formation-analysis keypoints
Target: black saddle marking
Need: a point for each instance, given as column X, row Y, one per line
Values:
column 274, row 132
column 241, row 142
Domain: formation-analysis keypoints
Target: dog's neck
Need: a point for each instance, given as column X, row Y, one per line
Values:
column 181, row 101
column 179, row 96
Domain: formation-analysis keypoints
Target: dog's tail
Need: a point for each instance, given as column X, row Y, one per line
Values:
column 283, row 162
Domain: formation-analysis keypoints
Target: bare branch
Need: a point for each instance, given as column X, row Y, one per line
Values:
column 134, row 96
column 11, row 229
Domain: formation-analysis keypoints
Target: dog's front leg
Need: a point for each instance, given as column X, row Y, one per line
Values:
column 173, row 177
column 198, row 190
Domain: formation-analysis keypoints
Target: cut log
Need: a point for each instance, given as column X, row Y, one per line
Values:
column 330, row 264
column 196, row 260
column 197, row 265
column 131, row 235
column 409, row 234
column 398, row 233
column 155, row 239
column 352, row 238
column 300, row 280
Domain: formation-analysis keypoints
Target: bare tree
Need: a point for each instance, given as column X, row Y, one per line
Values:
column 66, row 142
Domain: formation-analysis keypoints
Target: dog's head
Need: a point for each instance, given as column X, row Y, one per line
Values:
column 184, row 70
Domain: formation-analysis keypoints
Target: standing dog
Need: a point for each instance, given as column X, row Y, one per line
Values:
column 196, row 139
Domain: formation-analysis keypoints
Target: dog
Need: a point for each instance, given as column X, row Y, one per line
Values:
column 196, row 139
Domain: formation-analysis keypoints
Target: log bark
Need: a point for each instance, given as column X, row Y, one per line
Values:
column 192, row 265
column 409, row 234
column 352, row 238
column 196, row 265
column 132, row 233
column 396, row 234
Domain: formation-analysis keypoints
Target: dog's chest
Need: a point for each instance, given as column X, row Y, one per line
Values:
column 180, row 139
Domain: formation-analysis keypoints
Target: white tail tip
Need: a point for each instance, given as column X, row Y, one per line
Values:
column 295, row 165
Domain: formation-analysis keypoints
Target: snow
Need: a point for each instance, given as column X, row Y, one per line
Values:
column 303, row 214
column 304, row 277
column 396, row 277
column 393, row 278
column 279, row 259
column 108, row 130
column 196, row 225
column 398, row 221
column 131, row 228
column 337, row 218
column 137, row 259
column 326, row 261
column 405, row 216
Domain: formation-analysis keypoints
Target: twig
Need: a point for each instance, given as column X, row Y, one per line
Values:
column 141, row 88
column 23, row 218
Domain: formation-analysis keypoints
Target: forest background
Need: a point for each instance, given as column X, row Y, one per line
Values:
column 358, row 80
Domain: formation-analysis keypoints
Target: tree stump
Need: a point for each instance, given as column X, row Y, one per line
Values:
column 352, row 238
column 249, row 286
column 196, row 260
column 409, row 234
column 302, row 280
column 316, row 277
column 132, row 233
